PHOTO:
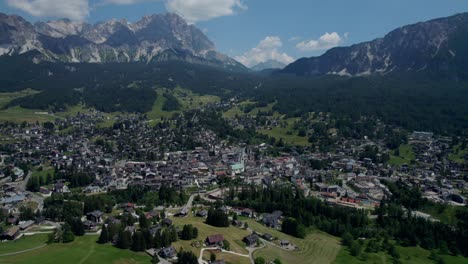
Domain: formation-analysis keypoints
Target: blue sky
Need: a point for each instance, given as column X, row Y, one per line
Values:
column 256, row 30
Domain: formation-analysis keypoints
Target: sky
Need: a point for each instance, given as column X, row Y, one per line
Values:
column 254, row 31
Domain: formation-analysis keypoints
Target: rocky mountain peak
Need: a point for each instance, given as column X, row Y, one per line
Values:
column 431, row 45
column 114, row 40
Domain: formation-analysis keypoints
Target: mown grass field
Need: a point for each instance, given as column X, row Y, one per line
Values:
column 232, row 234
column 22, row 243
column 408, row 255
column 43, row 173
column 458, row 154
column 187, row 100
column 317, row 247
column 18, row 114
column 406, row 156
column 287, row 133
column 84, row 250
column 6, row 98
column 228, row 258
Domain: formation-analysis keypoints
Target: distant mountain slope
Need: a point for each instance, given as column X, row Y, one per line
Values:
column 439, row 45
column 269, row 64
column 154, row 38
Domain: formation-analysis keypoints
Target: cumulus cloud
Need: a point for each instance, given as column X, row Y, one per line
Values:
column 73, row 9
column 326, row 41
column 202, row 10
column 267, row 49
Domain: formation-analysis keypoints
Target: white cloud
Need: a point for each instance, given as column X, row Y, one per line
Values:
column 267, row 49
column 202, row 10
column 121, row 2
column 73, row 9
column 326, row 41
column 296, row 38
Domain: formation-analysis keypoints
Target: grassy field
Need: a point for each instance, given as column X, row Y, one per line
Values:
column 43, row 173
column 18, row 114
column 6, row 98
column 287, row 133
column 237, row 110
column 233, row 234
column 83, row 250
column 228, row 258
column 187, row 100
column 443, row 212
column 23, row 243
column 408, row 255
column 317, row 247
column 406, row 156
column 458, row 154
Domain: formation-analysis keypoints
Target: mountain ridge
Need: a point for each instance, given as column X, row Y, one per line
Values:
column 114, row 40
column 436, row 45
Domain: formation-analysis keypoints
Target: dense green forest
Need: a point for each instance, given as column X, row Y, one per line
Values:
column 418, row 101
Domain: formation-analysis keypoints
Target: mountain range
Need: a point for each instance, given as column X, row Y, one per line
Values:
column 155, row 38
column 269, row 64
column 439, row 46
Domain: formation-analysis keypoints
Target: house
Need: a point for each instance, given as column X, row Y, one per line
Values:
column 268, row 237
column 89, row 225
column 167, row 252
column 26, row 225
column 154, row 229
column 246, row 212
column 152, row 214
column 251, row 240
column 60, row 187
column 167, row 222
column 183, row 212
column 95, row 216
column 215, row 240
column 130, row 229
column 284, row 243
column 13, row 220
column 272, row 220
column 202, row 213
column 237, row 223
column 11, row 233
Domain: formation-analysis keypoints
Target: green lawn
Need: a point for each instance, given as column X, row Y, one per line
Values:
column 233, row 234
column 23, row 243
column 408, row 255
column 43, row 173
column 287, row 133
column 18, row 114
column 458, row 154
column 228, row 258
column 405, row 157
column 444, row 212
column 6, row 98
column 84, row 250
column 317, row 247
column 187, row 100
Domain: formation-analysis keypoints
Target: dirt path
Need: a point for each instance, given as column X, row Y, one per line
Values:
column 23, row 251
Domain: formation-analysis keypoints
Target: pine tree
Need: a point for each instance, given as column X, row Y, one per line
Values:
column 104, row 237
column 125, row 240
column 143, row 221
column 139, row 243
column 158, row 240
